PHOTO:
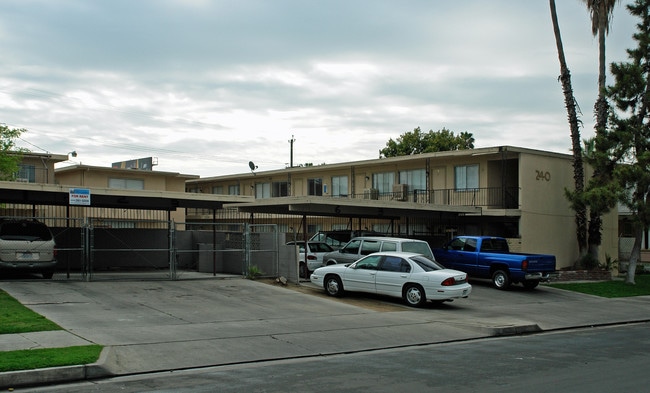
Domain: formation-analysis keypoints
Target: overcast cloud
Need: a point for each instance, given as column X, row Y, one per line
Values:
column 207, row 86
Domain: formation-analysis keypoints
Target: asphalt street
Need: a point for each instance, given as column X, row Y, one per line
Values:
column 150, row 326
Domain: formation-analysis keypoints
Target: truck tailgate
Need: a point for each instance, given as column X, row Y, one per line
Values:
column 540, row 262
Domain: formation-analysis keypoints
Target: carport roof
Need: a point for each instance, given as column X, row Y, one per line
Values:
column 50, row 194
column 343, row 207
column 59, row 195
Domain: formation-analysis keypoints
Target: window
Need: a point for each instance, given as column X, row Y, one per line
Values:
column 426, row 264
column 352, row 247
column 416, row 179
column 470, row 245
column 370, row 246
column 280, row 189
column 217, row 190
column 339, row 186
column 233, row 189
column 395, row 264
column 389, row 246
column 26, row 173
column 315, row 187
column 369, row 263
column 466, row 177
column 262, row 190
column 126, row 184
column 383, row 181
column 418, row 247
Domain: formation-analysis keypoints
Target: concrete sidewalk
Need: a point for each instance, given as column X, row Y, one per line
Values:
column 149, row 326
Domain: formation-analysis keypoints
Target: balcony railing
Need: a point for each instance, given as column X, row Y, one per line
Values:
column 491, row 197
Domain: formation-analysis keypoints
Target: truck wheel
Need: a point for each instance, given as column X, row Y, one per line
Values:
column 531, row 284
column 500, row 279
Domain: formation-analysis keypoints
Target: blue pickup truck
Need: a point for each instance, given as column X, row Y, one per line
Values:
column 490, row 257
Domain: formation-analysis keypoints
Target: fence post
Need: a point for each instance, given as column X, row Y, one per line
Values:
column 172, row 250
column 247, row 249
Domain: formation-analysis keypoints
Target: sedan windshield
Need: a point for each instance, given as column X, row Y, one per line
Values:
column 426, row 264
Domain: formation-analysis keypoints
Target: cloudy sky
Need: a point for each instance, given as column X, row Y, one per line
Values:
column 208, row 85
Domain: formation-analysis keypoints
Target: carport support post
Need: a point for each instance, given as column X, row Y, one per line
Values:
column 214, row 242
column 247, row 249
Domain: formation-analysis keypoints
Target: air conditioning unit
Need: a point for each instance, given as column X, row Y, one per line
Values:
column 22, row 180
column 371, row 193
column 400, row 192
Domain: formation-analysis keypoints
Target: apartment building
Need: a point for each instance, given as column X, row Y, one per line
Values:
column 515, row 192
column 116, row 179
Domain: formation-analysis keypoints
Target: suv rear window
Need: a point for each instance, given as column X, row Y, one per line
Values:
column 24, row 230
column 417, row 247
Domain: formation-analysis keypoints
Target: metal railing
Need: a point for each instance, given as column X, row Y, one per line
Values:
column 490, row 197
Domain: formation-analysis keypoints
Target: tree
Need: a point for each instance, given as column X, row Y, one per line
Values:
column 601, row 16
column 10, row 155
column 627, row 142
column 577, row 203
column 417, row 142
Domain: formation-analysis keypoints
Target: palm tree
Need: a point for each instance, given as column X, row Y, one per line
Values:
column 601, row 16
column 574, row 124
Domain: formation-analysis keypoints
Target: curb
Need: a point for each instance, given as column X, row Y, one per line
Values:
column 54, row 375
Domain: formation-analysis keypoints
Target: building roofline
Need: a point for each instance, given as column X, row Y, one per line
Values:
column 89, row 168
column 49, row 156
column 441, row 154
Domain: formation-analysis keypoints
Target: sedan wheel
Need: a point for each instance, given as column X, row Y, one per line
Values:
column 500, row 279
column 333, row 286
column 414, row 295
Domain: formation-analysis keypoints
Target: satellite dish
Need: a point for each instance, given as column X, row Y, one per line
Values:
column 252, row 166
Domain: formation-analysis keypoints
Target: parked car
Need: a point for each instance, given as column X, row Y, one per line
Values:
column 337, row 239
column 406, row 275
column 366, row 245
column 315, row 253
column 27, row 245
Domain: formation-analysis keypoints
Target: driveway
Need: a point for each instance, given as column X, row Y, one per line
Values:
column 168, row 325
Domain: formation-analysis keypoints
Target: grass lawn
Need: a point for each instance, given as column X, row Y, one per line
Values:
column 29, row 359
column 610, row 289
column 16, row 318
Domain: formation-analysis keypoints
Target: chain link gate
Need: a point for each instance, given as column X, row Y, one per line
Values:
column 238, row 249
column 129, row 249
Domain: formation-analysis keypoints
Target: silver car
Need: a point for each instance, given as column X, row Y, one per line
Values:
column 366, row 245
column 27, row 245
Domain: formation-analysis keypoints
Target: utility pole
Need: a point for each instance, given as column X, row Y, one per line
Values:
column 291, row 152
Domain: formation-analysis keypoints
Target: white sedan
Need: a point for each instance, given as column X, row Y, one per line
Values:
column 406, row 275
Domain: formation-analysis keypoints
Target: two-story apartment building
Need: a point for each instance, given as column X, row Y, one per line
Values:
column 126, row 180
column 519, row 194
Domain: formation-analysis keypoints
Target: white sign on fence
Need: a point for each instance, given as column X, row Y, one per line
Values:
column 80, row 196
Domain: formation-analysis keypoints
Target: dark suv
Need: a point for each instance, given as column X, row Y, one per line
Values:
column 27, row 245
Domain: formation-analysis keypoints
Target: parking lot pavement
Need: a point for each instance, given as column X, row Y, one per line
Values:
column 167, row 325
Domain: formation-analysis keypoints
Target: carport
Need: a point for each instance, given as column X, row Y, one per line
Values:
column 58, row 195
column 351, row 208
column 75, row 236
